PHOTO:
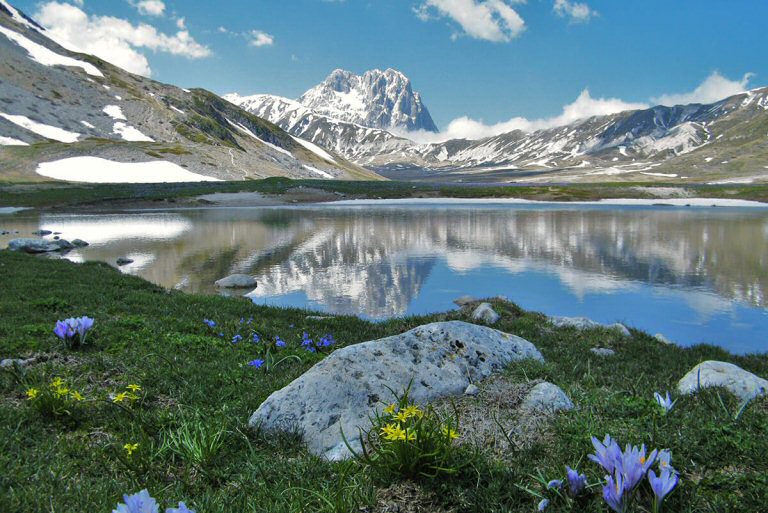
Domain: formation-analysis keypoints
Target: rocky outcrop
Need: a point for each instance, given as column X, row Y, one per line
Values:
column 236, row 281
column 39, row 245
column 583, row 323
column 338, row 394
column 744, row 385
column 485, row 313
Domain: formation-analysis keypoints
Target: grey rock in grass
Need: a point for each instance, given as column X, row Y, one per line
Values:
column 485, row 312
column 318, row 318
column 711, row 373
column 471, row 390
column 546, row 398
column 79, row 243
column 603, row 351
column 11, row 362
column 124, row 261
column 661, row 338
column 583, row 323
column 35, row 245
column 340, row 393
column 236, row 281
column 464, row 300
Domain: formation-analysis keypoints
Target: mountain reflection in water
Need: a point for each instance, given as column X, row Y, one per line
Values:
column 686, row 271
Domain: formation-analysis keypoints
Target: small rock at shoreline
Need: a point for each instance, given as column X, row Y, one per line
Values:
column 236, row 281
column 743, row 384
column 79, row 243
column 38, row 245
column 124, row 261
column 584, row 323
column 464, row 300
column 485, row 313
column 42, row 233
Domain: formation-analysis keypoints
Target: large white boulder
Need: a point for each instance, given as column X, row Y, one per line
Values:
column 712, row 373
column 342, row 391
column 236, row 281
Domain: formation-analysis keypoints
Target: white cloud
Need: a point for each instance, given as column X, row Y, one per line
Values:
column 714, row 88
column 113, row 39
column 259, row 38
column 577, row 12
column 150, row 7
column 490, row 20
column 583, row 107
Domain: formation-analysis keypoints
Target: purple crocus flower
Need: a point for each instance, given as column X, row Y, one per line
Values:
column 634, row 465
column 665, row 402
column 607, row 454
column 181, row 509
column 613, row 493
column 258, row 362
column 63, row 330
column 256, row 338
column 140, row 502
column 84, row 324
column 576, row 482
column 661, row 486
column 308, row 343
column 209, row 323
column 665, row 461
column 543, row 504
column 327, row 341
column 555, row 484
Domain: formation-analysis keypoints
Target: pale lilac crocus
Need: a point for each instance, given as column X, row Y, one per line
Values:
column 543, row 505
column 576, row 482
column 665, row 402
column 634, row 465
column 140, row 502
column 613, row 493
column 607, row 454
column 662, row 486
column 665, row 461
column 257, row 363
column 555, row 484
column 181, row 509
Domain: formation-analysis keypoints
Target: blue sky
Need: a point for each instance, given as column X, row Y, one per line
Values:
column 489, row 60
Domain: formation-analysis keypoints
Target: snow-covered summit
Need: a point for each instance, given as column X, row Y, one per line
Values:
column 376, row 99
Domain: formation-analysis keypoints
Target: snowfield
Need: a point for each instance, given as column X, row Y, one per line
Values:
column 10, row 141
column 128, row 133
column 47, row 131
column 47, row 57
column 98, row 170
column 317, row 150
column 115, row 112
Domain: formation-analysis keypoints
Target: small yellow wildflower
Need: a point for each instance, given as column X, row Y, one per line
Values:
column 388, row 429
column 413, row 411
column 32, row 393
column 395, row 433
column 129, row 448
column 411, row 436
column 401, row 416
column 61, row 392
column 450, row 433
column 57, row 383
column 133, row 388
column 77, row 396
column 122, row 396
column 389, row 410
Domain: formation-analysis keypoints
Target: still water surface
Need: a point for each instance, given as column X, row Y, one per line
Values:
column 693, row 274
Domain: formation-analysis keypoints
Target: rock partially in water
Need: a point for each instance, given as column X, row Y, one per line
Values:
column 546, row 398
column 584, row 323
column 711, row 373
column 603, row 351
column 123, row 261
column 79, row 243
column 236, row 281
column 485, row 313
column 41, row 233
column 339, row 393
column 38, row 245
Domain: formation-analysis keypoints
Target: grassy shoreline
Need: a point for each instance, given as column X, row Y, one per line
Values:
column 100, row 195
column 192, row 379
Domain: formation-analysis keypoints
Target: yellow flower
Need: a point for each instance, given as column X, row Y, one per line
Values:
column 122, row 396
column 57, row 383
column 32, row 393
column 388, row 429
column 77, row 396
column 389, row 410
column 401, row 416
column 395, row 433
column 411, row 436
column 133, row 388
column 129, row 448
column 61, row 392
column 450, row 433
column 413, row 411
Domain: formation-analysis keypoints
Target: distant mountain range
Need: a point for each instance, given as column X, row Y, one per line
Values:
column 726, row 141
column 56, row 104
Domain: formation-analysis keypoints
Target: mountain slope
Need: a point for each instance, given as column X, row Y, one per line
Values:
column 56, row 104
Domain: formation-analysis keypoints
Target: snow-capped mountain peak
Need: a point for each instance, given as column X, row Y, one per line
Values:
column 376, row 99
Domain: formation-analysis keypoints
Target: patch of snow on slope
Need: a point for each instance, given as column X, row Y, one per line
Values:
column 177, row 110
column 47, row 57
column 10, row 141
column 245, row 130
column 128, row 133
column 318, row 171
column 114, row 111
column 98, row 170
column 47, row 131
column 17, row 16
column 317, row 150
column 86, row 124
